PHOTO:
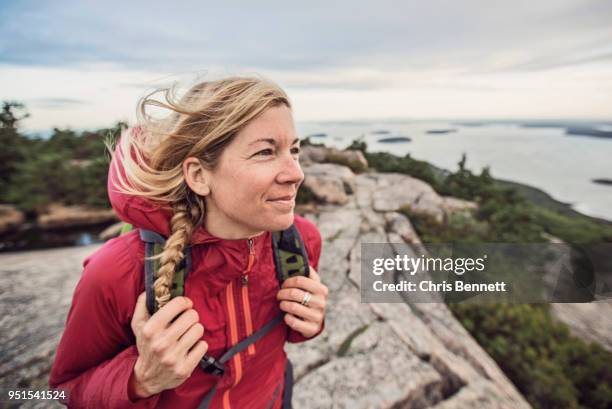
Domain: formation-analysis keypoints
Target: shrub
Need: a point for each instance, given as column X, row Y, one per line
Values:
column 551, row 368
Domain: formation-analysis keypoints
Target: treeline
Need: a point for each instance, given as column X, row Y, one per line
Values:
column 68, row 166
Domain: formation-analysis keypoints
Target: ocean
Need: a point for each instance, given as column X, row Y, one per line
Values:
column 543, row 157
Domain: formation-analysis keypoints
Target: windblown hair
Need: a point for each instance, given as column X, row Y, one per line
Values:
column 201, row 124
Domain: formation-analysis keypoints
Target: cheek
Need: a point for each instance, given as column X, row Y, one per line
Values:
column 243, row 193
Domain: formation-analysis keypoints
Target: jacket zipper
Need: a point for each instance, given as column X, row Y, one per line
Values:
column 233, row 319
column 245, row 297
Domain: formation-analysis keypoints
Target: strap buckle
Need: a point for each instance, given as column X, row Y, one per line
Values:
column 211, row 365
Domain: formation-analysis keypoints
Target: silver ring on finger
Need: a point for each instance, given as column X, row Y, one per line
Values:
column 306, row 299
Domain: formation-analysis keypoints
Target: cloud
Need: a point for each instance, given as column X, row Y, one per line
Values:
column 55, row 103
column 288, row 36
column 91, row 61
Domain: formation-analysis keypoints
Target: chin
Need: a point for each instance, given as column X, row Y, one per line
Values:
column 280, row 222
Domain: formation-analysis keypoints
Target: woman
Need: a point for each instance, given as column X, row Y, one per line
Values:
column 219, row 175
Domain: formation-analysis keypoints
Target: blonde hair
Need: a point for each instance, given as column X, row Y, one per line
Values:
column 201, row 124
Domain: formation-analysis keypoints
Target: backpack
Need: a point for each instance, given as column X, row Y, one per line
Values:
column 290, row 259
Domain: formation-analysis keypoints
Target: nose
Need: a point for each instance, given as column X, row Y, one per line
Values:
column 290, row 172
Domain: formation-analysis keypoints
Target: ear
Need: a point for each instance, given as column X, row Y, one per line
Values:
column 196, row 176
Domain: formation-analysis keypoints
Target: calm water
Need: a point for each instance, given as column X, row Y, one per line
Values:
column 546, row 158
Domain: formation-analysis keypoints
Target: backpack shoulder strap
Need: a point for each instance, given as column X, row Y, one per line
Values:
column 290, row 256
column 154, row 245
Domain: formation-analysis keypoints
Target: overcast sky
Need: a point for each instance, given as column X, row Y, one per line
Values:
column 85, row 63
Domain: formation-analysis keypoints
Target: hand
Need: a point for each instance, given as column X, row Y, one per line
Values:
column 168, row 351
column 306, row 319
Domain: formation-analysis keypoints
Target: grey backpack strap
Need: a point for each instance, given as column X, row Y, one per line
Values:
column 149, row 236
column 150, row 239
column 238, row 348
column 288, row 391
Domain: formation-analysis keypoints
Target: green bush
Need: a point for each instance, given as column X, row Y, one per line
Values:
column 386, row 163
column 43, row 178
column 551, row 368
column 13, row 144
column 68, row 167
column 457, row 228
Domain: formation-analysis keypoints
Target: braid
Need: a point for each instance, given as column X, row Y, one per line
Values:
column 187, row 216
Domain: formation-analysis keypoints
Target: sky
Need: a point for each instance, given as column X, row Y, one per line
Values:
column 85, row 64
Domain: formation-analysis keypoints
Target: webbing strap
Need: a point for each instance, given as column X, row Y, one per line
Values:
column 154, row 244
column 289, row 251
column 288, row 391
column 150, row 236
column 206, row 402
column 238, row 348
column 252, row 338
column 150, row 276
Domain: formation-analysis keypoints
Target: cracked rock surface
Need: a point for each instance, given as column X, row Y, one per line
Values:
column 36, row 291
column 390, row 355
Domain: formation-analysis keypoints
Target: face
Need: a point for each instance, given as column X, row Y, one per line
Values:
column 254, row 186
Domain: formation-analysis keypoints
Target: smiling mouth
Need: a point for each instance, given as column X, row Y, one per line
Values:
column 288, row 198
column 284, row 204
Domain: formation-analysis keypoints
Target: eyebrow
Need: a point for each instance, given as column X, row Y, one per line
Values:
column 271, row 141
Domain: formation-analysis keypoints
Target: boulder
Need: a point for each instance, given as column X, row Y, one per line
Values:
column 395, row 191
column 329, row 183
column 310, row 154
column 354, row 159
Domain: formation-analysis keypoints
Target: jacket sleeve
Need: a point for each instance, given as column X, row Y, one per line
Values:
column 313, row 246
column 97, row 353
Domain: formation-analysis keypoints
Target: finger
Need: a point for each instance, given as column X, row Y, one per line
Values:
column 313, row 274
column 304, row 327
column 296, row 295
column 141, row 314
column 306, row 284
column 301, row 311
column 189, row 338
column 162, row 318
column 182, row 324
column 196, row 353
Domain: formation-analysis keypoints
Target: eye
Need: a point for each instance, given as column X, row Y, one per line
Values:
column 295, row 150
column 265, row 152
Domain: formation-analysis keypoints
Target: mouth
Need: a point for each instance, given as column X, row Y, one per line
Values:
column 287, row 198
column 283, row 203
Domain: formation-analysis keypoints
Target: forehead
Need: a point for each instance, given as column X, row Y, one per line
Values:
column 274, row 123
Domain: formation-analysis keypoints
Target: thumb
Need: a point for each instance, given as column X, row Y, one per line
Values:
column 141, row 314
column 313, row 274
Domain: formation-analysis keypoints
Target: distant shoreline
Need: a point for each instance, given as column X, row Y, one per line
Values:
column 541, row 198
column 538, row 197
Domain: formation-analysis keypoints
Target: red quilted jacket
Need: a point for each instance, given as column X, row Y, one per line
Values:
column 97, row 352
